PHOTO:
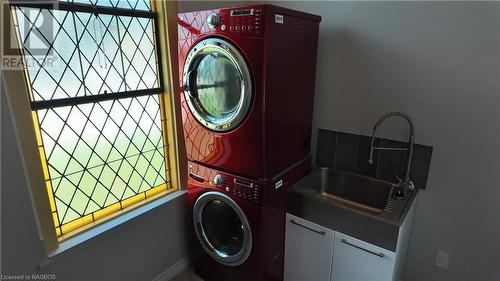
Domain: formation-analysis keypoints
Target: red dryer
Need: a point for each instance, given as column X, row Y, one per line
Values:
column 247, row 87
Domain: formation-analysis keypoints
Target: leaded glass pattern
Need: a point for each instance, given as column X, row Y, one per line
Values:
column 104, row 154
column 94, row 54
column 101, row 153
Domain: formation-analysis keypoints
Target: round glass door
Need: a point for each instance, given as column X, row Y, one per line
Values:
column 217, row 84
column 222, row 228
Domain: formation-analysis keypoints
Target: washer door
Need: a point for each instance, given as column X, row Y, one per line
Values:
column 222, row 228
column 217, row 84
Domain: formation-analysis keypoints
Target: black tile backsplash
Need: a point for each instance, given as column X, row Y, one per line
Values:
column 391, row 162
column 345, row 153
column 350, row 153
column 362, row 165
column 421, row 161
column 327, row 142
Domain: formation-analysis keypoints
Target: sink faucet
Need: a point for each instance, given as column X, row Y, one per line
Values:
column 403, row 184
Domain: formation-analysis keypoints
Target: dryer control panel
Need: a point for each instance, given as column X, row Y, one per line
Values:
column 244, row 21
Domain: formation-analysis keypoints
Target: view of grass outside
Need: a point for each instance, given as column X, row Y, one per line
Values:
column 102, row 152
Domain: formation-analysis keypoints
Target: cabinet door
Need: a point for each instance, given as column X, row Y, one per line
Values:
column 356, row 260
column 308, row 250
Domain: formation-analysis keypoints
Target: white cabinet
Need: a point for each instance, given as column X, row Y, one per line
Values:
column 354, row 260
column 308, row 250
column 316, row 253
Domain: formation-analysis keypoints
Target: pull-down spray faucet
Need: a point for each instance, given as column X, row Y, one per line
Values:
column 403, row 184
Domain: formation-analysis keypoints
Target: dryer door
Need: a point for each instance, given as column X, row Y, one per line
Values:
column 222, row 228
column 217, row 84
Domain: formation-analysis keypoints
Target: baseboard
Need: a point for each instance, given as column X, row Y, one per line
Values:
column 174, row 270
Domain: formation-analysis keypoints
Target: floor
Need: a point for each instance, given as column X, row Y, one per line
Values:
column 186, row 275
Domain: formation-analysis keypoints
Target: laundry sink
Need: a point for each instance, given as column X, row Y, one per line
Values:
column 352, row 204
column 355, row 191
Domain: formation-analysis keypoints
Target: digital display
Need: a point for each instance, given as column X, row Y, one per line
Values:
column 247, row 12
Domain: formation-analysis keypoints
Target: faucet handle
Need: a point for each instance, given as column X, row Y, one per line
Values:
column 411, row 185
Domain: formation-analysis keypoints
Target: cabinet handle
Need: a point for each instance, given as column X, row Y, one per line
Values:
column 362, row 249
column 308, row 228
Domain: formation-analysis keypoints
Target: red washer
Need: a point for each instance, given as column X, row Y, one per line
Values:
column 239, row 223
column 227, row 221
column 247, row 87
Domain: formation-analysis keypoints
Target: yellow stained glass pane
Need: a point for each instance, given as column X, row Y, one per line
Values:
column 52, row 202
column 107, row 211
column 37, row 129
column 44, row 163
column 76, row 224
column 132, row 200
column 56, row 219
column 156, row 190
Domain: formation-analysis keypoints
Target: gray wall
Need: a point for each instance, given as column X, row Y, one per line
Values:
column 437, row 61
column 139, row 249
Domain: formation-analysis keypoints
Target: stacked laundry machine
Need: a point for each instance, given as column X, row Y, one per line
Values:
column 247, row 78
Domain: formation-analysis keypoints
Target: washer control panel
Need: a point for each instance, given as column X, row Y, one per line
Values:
column 247, row 21
column 236, row 187
column 240, row 188
column 246, row 190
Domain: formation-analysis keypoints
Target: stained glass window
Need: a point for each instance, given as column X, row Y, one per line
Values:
column 97, row 107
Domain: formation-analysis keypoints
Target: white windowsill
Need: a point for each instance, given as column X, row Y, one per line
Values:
column 79, row 239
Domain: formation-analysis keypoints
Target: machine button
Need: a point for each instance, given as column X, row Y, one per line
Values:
column 213, row 20
column 223, row 27
column 218, row 180
column 231, row 28
column 250, row 27
column 237, row 28
column 228, row 189
column 243, row 27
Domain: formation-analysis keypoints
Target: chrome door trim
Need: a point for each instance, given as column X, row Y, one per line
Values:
column 234, row 55
column 222, row 258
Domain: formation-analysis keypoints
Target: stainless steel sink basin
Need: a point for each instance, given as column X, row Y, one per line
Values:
column 360, row 206
column 359, row 192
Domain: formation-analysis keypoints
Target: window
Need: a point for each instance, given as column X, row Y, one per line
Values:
column 97, row 108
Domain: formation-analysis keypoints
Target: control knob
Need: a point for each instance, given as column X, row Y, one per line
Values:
column 213, row 20
column 218, row 180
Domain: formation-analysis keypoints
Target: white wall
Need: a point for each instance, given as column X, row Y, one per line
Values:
column 439, row 62
column 139, row 249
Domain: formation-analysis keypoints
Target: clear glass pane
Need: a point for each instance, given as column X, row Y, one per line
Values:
column 96, row 159
column 138, row 50
column 75, row 54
